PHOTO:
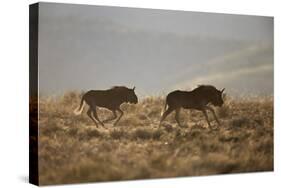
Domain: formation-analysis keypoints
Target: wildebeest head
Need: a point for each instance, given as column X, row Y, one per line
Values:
column 217, row 98
column 132, row 97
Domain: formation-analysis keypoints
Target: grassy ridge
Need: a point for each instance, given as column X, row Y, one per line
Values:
column 73, row 150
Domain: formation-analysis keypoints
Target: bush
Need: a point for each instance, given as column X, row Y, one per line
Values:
column 146, row 134
column 239, row 122
column 157, row 134
column 118, row 134
column 143, row 134
column 94, row 133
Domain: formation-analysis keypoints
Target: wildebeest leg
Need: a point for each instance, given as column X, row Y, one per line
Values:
column 94, row 109
column 206, row 116
column 89, row 113
column 213, row 112
column 111, row 118
column 165, row 114
column 177, row 116
column 121, row 114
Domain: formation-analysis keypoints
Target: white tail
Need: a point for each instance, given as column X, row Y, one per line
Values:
column 79, row 109
column 162, row 112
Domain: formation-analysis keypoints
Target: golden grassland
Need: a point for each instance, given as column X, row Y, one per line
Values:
column 73, row 150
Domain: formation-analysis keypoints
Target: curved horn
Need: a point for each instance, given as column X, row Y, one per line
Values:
column 222, row 90
column 134, row 88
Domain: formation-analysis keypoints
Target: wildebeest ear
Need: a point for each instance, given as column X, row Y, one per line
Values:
column 222, row 90
column 134, row 88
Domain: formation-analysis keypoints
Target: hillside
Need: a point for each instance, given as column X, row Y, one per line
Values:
column 72, row 149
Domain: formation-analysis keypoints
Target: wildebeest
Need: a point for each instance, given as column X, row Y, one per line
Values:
column 110, row 99
column 198, row 99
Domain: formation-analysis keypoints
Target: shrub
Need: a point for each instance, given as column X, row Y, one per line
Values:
column 118, row 134
column 239, row 122
column 94, row 133
column 143, row 134
column 157, row 134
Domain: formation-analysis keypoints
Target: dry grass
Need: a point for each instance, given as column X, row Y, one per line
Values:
column 73, row 150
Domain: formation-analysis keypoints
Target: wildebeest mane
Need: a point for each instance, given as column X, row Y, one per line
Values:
column 199, row 87
column 121, row 91
column 119, row 88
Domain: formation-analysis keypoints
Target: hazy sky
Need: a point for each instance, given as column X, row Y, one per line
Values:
column 93, row 47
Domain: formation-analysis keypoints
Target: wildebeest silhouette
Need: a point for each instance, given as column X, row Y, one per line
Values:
column 198, row 99
column 110, row 99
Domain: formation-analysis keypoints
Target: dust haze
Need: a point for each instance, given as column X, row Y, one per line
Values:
column 95, row 47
